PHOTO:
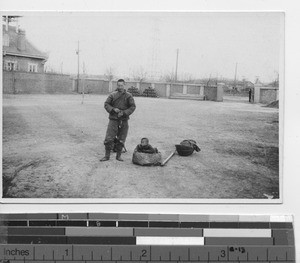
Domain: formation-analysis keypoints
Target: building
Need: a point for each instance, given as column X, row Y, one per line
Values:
column 18, row 53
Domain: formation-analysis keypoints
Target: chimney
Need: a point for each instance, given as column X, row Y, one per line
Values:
column 17, row 25
column 6, row 25
column 21, row 43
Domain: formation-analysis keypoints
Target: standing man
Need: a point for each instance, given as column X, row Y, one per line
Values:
column 119, row 104
column 250, row 95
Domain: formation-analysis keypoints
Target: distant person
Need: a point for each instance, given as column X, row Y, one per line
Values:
column 145, row 147
column 250, row 95
column 120, row 105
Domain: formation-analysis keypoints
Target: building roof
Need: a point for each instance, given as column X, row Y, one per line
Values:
column 29, row 51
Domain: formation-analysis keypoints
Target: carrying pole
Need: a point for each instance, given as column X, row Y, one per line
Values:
column 169, row 157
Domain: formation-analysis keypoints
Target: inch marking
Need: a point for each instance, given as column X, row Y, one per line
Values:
column 72, row 252
column 227, row 253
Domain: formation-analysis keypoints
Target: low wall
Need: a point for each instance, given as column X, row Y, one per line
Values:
column 195, row 90
column 267, row 95
column 15, row 82
column 210, row 92
column 264, row 94
column 94, row 86
column 161, row 89
column 176, row 88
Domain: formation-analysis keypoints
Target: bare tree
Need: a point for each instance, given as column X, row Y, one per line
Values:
column 109, row 73
column 167, row 77
column 139, row 75
column 187, row 78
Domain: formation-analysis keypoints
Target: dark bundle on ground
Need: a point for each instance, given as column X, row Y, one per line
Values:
column 273, row 104
column 149, row 92
column 134, row 91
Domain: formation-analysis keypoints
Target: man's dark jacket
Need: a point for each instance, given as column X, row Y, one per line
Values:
column 121, row 100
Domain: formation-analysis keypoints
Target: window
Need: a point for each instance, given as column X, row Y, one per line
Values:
column 32, row 67
column 11, row 65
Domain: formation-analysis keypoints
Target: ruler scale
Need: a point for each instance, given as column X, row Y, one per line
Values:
column 121, row 238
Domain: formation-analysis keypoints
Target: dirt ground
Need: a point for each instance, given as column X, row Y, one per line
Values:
column 52, row 145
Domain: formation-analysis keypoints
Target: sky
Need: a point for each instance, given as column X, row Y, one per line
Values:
column 208, row 43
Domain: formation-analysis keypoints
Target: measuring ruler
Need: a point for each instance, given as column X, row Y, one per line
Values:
column 102, row 237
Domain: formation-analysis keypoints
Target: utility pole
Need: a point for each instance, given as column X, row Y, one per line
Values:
column 177, row 51
column 235, row 75
column 77, row 52
column 83, row 82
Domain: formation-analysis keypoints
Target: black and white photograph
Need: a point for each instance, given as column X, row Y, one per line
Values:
column 180, row 106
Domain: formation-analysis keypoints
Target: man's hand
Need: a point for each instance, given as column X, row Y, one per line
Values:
column 116, row 110
column 120, row 114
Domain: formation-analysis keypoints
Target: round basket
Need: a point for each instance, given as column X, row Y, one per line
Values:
column 184, row 150
column 146, row 159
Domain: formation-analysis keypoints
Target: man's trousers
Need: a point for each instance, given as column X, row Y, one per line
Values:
column 116, row 129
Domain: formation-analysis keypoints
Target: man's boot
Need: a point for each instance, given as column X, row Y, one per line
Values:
column 118, row 157
column 107, row 155
column 119, row 148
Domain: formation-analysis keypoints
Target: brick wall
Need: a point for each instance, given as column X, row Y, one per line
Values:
column 22, row 63
column 144, row 85
column 267, row 95
column 161, row 89
column 176, row 88
column 210, row 93
column 191, row 89
column 95, row 86
column 26, row 82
